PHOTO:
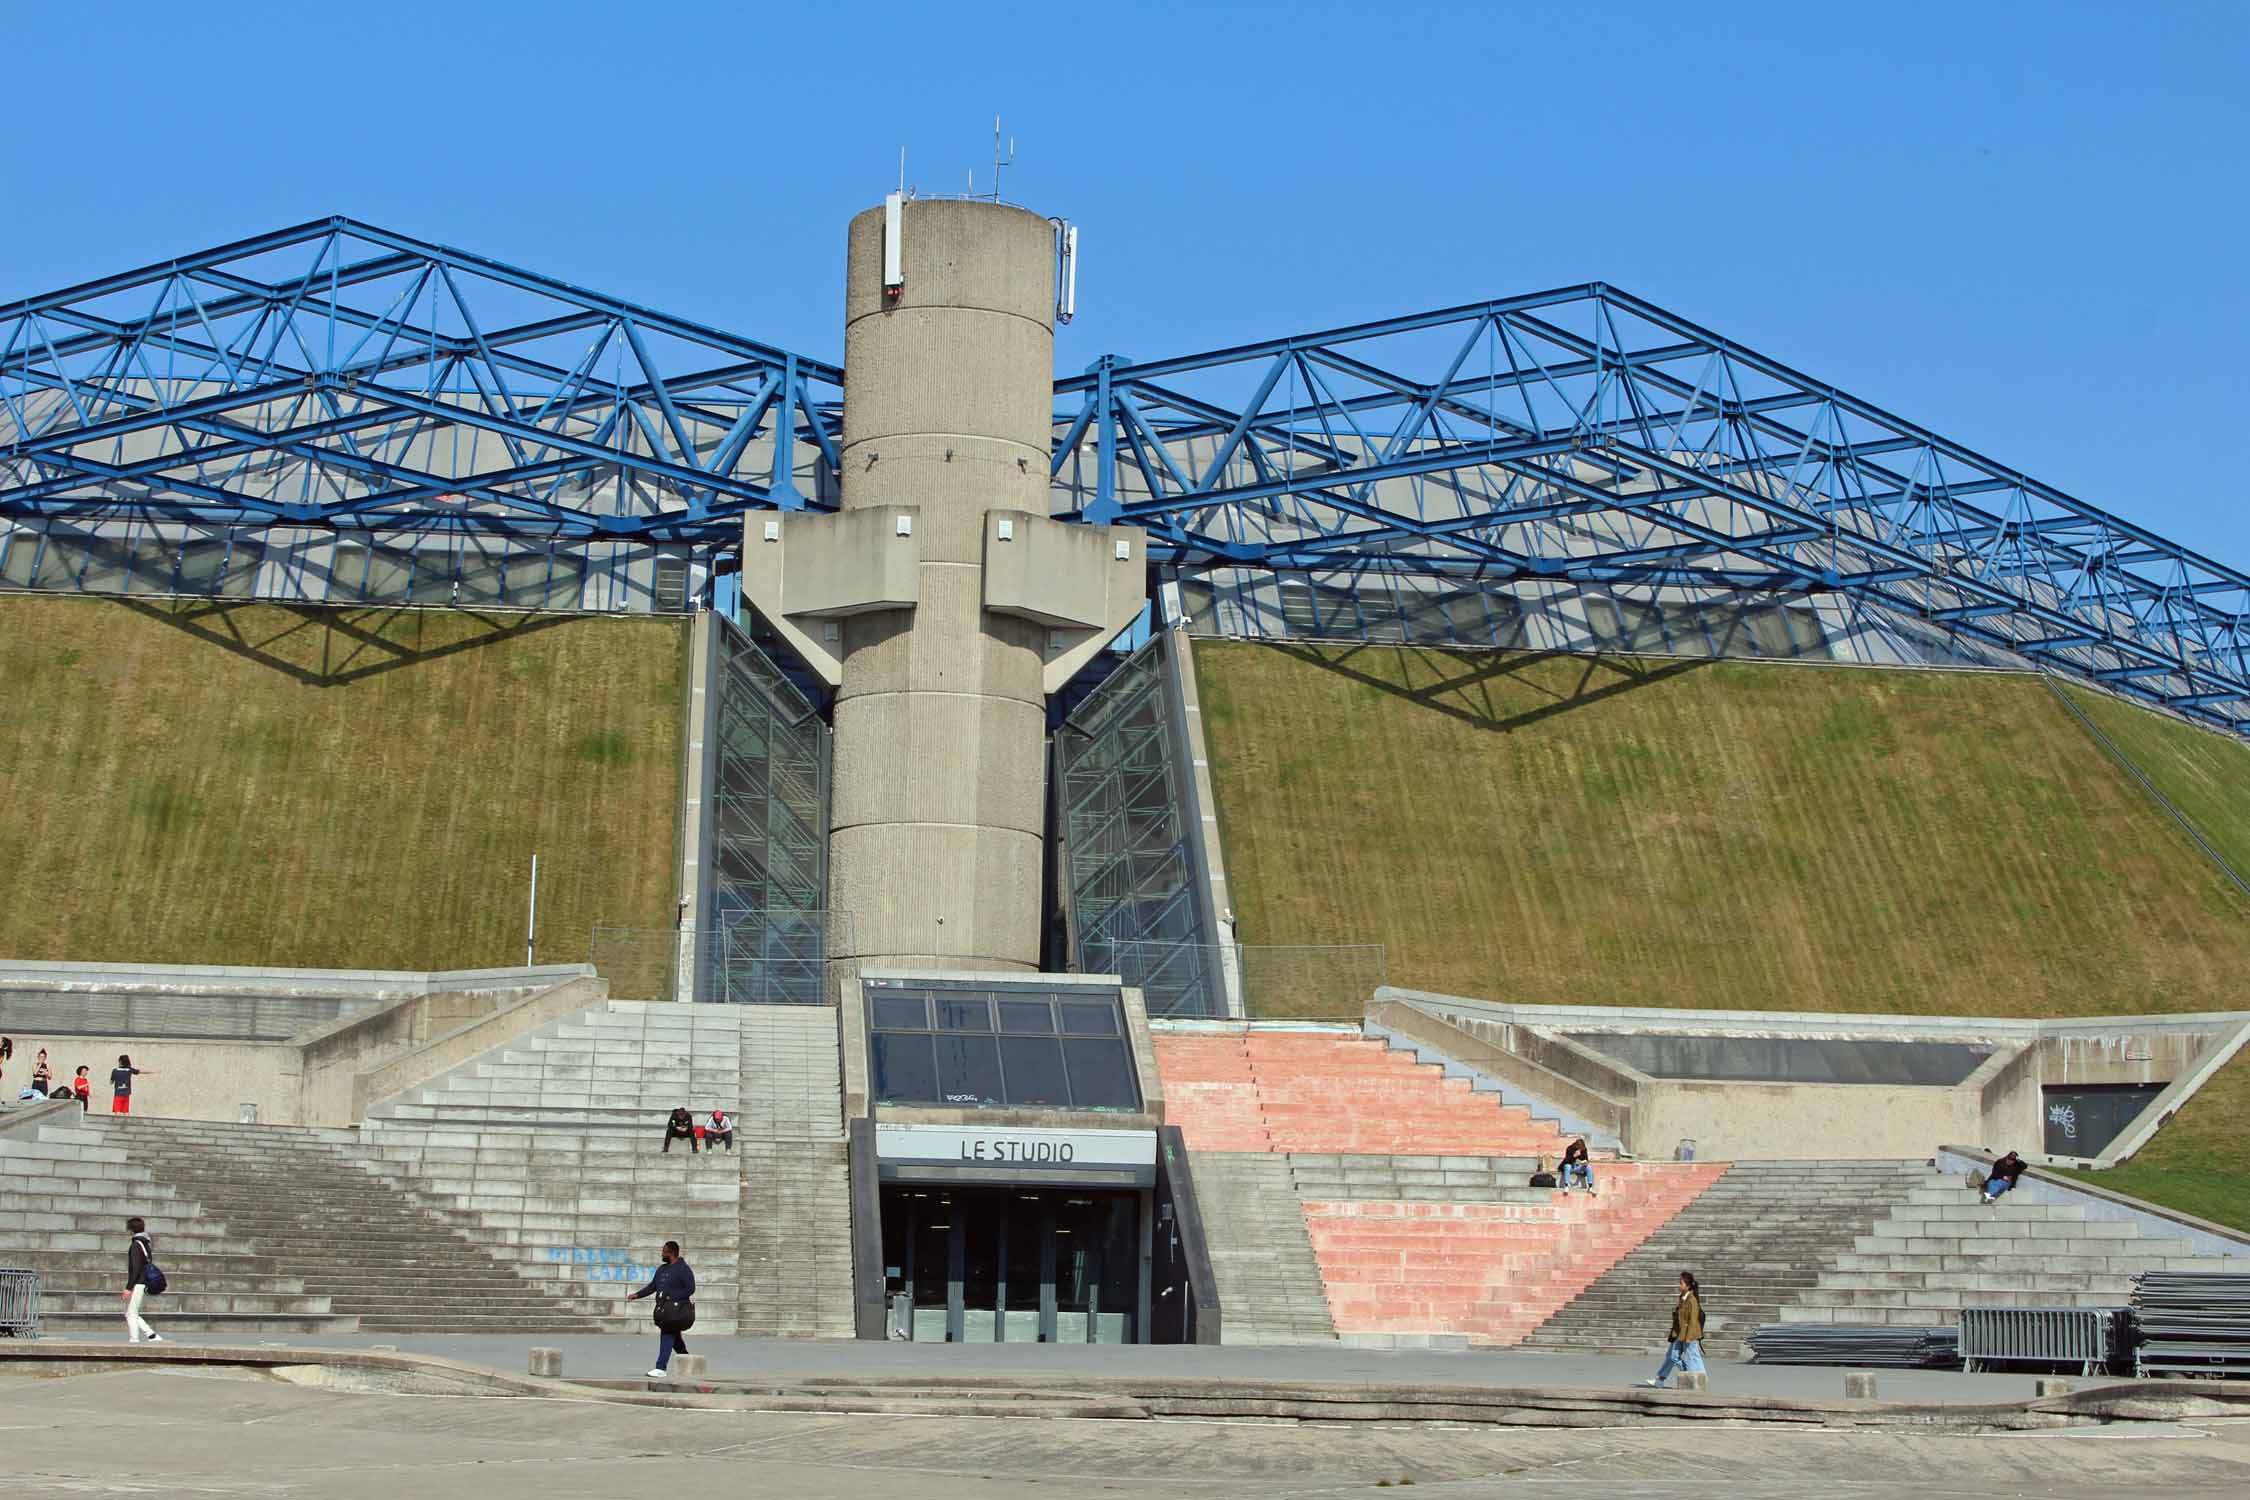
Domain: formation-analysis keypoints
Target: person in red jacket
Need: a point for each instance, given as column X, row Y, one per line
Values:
column 82, row 1087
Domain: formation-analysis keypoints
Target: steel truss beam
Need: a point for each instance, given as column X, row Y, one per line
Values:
column 341, row 376
column 1585, row 436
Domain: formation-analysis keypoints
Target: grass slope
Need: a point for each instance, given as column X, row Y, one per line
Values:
column 1716, row 834
column 257, row 784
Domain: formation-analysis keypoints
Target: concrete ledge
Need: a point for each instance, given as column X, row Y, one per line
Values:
column 228, row 979
column 1128, row 1398
column 2103, row 1203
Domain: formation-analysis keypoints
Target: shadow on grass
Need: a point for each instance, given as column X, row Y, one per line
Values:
column 1456, row 695
column 332, row 646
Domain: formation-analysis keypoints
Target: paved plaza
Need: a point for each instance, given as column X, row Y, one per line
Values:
column 171, row 1432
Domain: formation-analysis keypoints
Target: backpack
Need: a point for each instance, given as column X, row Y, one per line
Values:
column 152, row 1276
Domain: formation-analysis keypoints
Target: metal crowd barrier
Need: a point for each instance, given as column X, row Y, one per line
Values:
column 19, row 1304
column 2081, row 1336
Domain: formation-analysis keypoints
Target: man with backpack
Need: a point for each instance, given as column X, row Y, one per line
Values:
column 673, row 1287
column 142, row 1278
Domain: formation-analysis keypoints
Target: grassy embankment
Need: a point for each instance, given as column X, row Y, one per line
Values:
column 253, row 784
column 1738, row 835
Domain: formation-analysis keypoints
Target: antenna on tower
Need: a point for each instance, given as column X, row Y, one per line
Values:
column 999, row 160
column 902, row 169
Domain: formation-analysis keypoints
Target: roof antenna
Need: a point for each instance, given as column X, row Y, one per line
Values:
column 998, row 160
column 902, row 169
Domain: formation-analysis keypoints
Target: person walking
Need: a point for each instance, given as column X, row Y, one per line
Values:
column 121, row 1084
column 673, row 1287
column 140, row 1254
column 681, row 1127
column 1685, row 1349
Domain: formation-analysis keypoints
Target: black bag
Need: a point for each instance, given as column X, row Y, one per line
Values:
column 675, row 1315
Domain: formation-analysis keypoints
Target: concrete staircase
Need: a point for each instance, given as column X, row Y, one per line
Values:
column 553, row 1147
column 1942, row 1249
column 795, row 1266
column 65, row 1194
column 1409, row 1188
column 371, row 1249
column 1333, row 1092
column 1757, row 1239
column 1270, row 1288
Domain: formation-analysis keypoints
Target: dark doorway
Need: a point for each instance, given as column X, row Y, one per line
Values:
column 2083, row 1118
column 1012, row 1265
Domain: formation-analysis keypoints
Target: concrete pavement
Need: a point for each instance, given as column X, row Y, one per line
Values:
column 624, row 1355
column 225, row 1435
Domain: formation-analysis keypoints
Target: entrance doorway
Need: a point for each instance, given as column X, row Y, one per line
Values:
column 1012, row 1265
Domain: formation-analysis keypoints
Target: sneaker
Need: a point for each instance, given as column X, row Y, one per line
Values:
column 156, row 1338
column 1654, row 1385
column 659, row 1374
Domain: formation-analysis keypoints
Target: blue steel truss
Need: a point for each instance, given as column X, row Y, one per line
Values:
column 342, row 377
column 339, row 377
column 1585, row 436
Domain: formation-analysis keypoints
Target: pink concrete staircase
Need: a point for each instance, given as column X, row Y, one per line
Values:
column 1401, row 1251
column 1491, row 1272
column 1332, row 1092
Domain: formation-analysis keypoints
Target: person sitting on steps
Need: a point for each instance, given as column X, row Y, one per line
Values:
column 720, row 1132
column 681, row 1127
column 2002, row 1177
column 1576, row 1164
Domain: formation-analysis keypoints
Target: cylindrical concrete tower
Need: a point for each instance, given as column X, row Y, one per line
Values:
column 938, row 795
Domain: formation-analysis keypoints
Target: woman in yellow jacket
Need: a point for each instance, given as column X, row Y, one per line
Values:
column 1685, row 1350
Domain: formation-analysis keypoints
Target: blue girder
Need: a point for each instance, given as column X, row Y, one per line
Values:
column 1586, row 436
column 342, row 377
column 396, row 385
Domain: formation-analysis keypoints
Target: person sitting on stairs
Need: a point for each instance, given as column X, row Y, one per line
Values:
column 720, row 1132
column 681, row 1127
column 1578, row 1166
column 2003, row 1176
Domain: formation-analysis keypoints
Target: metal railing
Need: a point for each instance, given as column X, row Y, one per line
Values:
column 1258, row 982
column 19, row 1304
column 2087, row 1337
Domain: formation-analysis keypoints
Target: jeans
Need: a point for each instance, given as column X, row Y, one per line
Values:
column 1681, row 1354
column 136, row 1328
column 1996, row 1186
column 668, row 1343
column 1581, row 1170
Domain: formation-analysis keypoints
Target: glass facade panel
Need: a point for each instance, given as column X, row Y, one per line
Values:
column 905, row 1067
column 968, row 1070
column 766, row 934
column 895, row 1014
column 1101, row 1075
column 964, row 1013
column 1122, row 779
column 1083, row 1018
column 934, row 1042
column 1031, row 1016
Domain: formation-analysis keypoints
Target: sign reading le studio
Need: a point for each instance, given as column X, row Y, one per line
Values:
column 1013, row 1146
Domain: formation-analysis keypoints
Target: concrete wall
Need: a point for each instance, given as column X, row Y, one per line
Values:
column 1797, row 1121
column 323, row 1077
column 938, row 815
column 1999, row 1104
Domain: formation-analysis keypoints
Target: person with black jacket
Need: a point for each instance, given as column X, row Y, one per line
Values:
column 681, row 1127
column 138, row 1254
column 1577, row 1166
column 2003, row 1176
column 673, row 1287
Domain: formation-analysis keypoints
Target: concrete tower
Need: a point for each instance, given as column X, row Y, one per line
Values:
column 942, row 603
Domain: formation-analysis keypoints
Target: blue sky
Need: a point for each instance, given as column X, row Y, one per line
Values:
column 2026, row 226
